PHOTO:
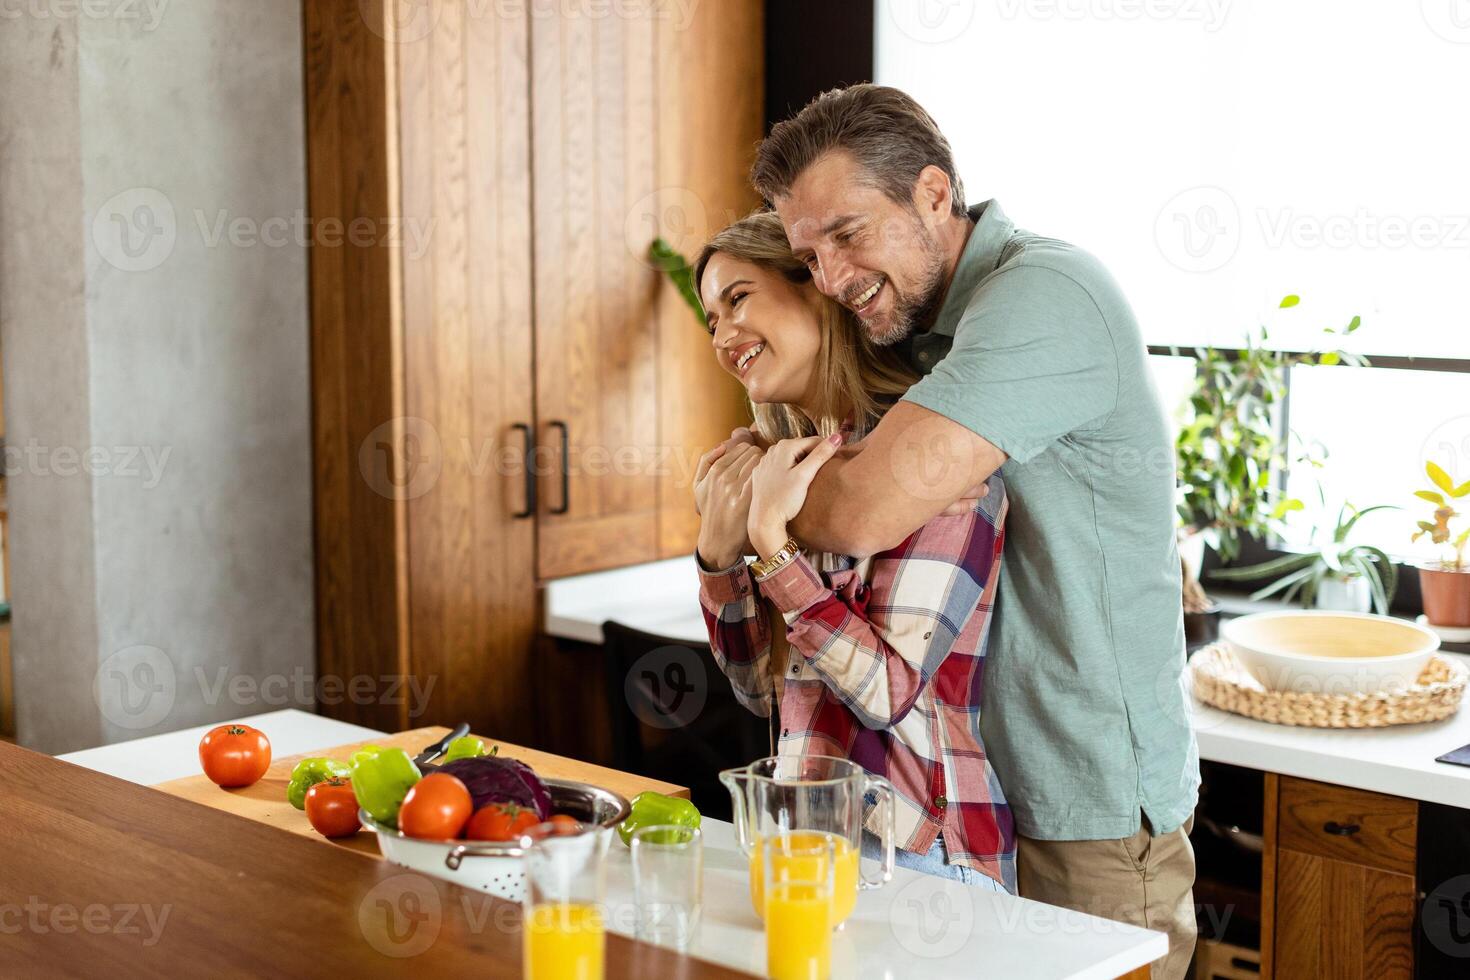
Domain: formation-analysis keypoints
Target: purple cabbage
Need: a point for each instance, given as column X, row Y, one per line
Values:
column 494, row 779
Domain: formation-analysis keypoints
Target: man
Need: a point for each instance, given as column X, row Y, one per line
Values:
column 1035, row 366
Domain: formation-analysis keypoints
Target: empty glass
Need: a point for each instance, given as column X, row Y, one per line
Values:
column 566, row 890
column 668, row 884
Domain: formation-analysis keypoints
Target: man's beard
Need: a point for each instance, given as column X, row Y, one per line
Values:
column 912, row 311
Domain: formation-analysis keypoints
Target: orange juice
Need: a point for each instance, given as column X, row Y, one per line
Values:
column 803, row 867
column 562, row 941
column 798, row 932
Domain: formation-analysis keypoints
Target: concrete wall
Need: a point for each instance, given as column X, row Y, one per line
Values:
column 153, row 317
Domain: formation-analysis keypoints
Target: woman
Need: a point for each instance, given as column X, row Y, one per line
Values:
column 877, row 659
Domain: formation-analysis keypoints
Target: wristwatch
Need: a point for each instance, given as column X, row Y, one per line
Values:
column 783, row 556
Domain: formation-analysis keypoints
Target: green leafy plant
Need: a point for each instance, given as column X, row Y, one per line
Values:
column 1302, row 575
column 1439, row 529
column 669, row 261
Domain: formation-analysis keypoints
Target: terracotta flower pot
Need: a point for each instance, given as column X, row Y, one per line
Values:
column 1446, row 596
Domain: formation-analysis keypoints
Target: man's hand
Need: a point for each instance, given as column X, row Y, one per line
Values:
column 722, row 496
column 967, row 503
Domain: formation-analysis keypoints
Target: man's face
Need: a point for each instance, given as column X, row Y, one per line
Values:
column 876, row 257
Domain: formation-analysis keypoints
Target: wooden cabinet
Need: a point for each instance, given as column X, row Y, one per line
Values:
column 1338, row 893
column 503, row 388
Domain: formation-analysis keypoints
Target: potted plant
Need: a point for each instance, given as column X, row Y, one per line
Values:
column 1226, row 453
column 1446, row 583
column 1337, row 575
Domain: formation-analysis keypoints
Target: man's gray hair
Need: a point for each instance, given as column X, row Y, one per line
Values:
column 887, row 132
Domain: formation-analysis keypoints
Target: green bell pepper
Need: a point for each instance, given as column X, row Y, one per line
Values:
column 467, row 747
column 650, row 809
column 381, row 778
column 308, row 773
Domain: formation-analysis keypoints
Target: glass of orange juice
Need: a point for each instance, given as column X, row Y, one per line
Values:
column 798, row 878
column 845, row 874
column 566, row 884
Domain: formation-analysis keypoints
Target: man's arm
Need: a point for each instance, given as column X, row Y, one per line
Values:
column 911, row 467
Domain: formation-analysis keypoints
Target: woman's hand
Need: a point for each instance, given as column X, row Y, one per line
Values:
column 779, row 485
column 722, row 497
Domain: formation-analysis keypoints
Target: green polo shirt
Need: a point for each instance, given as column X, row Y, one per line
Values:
column 1084, row 713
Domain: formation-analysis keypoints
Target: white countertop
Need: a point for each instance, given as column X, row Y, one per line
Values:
column 916, row 924
column 663, row 598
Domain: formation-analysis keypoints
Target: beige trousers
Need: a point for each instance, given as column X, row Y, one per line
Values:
column 1142, row 880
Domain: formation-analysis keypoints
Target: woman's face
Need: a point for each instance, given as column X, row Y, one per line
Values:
column 766, row 330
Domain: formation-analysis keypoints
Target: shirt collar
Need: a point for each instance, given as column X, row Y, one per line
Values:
column 981, row 255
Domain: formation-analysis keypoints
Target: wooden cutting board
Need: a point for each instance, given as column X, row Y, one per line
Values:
column 266, row 800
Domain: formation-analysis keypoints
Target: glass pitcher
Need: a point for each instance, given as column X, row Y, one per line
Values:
column 820, row 794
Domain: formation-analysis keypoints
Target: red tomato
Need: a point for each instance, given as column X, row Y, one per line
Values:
column 332, row 808
column 500, row 821
column 436, row 808
column 234, row 755
column 565, row 823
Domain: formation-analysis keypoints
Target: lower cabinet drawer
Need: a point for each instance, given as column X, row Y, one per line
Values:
column 1344, row 824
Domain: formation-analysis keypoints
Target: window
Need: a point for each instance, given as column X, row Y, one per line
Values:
column 1220, row 154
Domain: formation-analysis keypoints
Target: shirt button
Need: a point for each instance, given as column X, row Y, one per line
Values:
column 940, row 801
column 796, row 668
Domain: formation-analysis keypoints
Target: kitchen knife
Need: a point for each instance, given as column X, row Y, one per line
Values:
column 432, row 752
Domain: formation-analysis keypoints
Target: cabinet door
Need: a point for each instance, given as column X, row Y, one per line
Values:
column 594, row 143
column 1341, row 921
column 465, row 190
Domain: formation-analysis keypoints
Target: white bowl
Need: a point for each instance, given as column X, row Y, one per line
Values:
column 1308, row 651
column 492, row 866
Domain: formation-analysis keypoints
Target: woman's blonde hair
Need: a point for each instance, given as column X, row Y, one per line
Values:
column 853, row 376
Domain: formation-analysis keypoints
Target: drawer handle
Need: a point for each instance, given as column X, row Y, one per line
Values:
column 1340, row 829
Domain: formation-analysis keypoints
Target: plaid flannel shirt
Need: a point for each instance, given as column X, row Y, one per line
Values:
column 886, row 669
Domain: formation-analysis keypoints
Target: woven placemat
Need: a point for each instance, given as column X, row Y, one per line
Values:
column 1221, row 681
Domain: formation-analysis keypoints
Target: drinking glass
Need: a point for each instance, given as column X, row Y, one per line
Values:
column 798, row 889
column 566, row 890
column 668, row 883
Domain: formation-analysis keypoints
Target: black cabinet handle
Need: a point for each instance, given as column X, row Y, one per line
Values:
column 1340, row 829
column 566, row 480
column 528, row 450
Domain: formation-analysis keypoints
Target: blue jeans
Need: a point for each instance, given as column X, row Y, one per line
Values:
column 932, row 863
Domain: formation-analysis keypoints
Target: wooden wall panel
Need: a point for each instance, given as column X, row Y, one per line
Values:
column 710, row 110
column 464, row 125
column 351, row 160
column 594, row 104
